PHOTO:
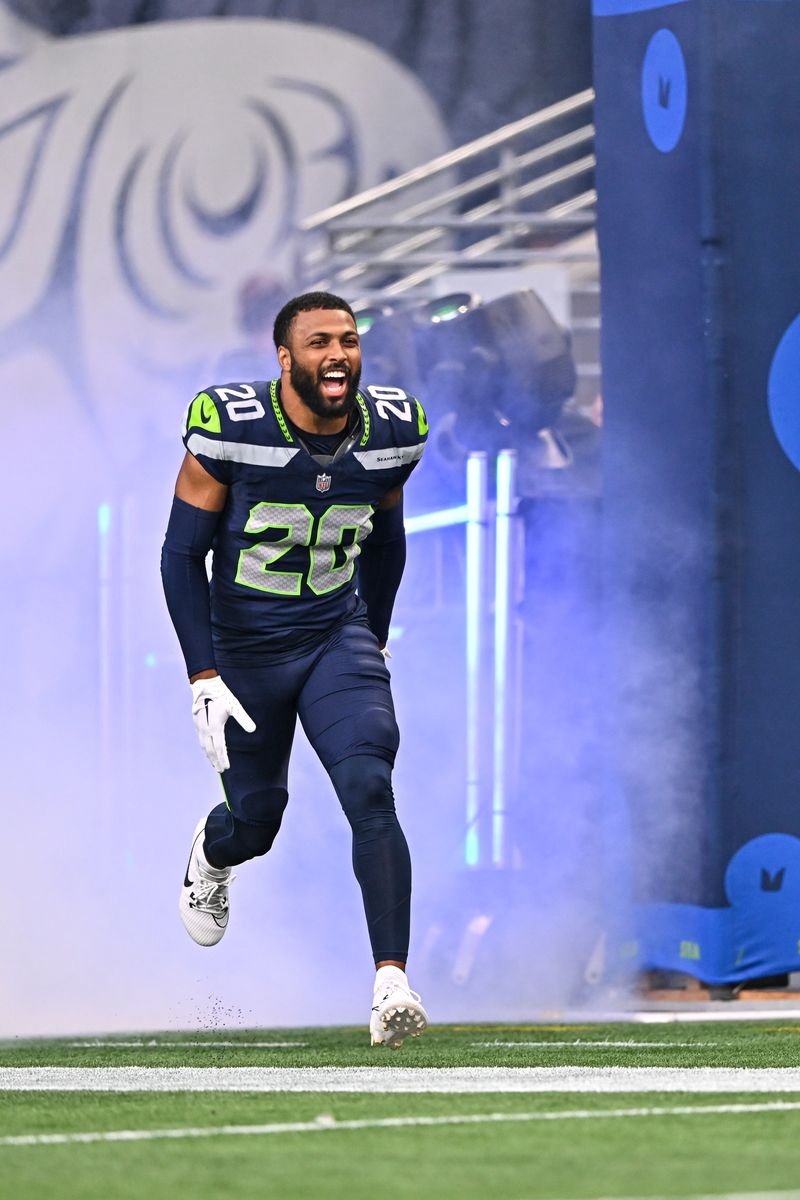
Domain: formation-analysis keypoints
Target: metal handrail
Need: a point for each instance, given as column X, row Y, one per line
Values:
column 452, row 258
column 453, row 158
column 476, row 250
column 376, row 251
column 460, row 191
column 409, row 245
column 531, row 220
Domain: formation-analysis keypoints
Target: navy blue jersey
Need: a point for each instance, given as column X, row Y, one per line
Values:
column 285, row 555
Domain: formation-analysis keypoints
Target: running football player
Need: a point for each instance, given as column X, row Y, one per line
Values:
column 297, row 487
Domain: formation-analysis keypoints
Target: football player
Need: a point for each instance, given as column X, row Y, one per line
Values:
column 297, row 487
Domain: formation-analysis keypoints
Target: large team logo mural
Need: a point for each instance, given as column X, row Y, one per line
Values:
column 148, row 174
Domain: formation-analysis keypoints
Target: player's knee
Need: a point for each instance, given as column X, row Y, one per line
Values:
column 257, row 816
column 364, row 786
column 260, row 805
column 375, row 790
column 254, row 840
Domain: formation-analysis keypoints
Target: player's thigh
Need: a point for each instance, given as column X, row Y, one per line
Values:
column 346, row 701
column 255, row 784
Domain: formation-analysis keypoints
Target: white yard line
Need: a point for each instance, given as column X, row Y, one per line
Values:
column 326, row 1124
column 390, row 1079
column 153, row 1043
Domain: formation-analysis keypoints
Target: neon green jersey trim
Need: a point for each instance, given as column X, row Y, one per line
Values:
column 273, row 395
column 224, row 793
column 422, row 420
column 362, row 404
column 204, row 415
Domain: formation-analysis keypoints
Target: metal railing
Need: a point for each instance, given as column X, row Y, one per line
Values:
column 390, row 240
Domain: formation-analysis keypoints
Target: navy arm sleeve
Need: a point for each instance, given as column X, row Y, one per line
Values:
column 380, row 568
column 190, row 534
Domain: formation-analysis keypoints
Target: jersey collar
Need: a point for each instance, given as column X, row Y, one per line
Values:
column 358, row 430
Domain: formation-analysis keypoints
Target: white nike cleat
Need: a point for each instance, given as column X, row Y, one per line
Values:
column 204, row 896
column 397, row 1012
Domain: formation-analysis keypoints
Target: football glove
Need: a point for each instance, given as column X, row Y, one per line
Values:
column 212, row 703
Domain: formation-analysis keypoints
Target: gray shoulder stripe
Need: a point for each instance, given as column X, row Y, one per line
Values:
column 242, row 452
column 392, row 456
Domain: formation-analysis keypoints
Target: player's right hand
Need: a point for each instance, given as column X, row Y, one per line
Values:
column 212, row 703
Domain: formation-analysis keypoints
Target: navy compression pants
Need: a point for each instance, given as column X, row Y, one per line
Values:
column 340, row 691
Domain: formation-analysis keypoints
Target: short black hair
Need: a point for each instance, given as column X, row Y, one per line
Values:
column 305, row 303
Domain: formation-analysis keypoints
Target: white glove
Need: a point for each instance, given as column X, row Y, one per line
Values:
column 212, row 703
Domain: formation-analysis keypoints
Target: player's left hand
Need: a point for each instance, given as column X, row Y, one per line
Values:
column 212, row 703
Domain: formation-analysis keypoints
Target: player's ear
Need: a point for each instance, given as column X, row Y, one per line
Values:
column 284, row 358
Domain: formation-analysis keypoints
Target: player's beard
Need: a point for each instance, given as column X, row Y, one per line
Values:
column 308, row 387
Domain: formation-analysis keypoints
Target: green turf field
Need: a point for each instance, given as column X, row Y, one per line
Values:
column 388, row 1143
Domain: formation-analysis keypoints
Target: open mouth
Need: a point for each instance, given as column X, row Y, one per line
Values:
column 334, row 382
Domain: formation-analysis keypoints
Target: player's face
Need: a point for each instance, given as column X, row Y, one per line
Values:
column 325, row 361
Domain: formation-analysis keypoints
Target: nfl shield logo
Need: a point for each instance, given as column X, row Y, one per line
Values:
column 323, row 483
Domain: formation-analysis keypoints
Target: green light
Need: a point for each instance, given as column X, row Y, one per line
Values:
column 364, row 324
column 448, row 313
column 103, row 519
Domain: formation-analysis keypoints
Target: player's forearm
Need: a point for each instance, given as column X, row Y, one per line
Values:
column 380, row 570
column 189, row 536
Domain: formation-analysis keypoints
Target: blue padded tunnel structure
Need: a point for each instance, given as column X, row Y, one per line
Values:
column 698, row 139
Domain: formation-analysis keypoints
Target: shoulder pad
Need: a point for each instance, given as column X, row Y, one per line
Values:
column 233, row 412
column 236, row 423
column 238, row 405
column 202, row 435
column 396, row 412
column 202, row 414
